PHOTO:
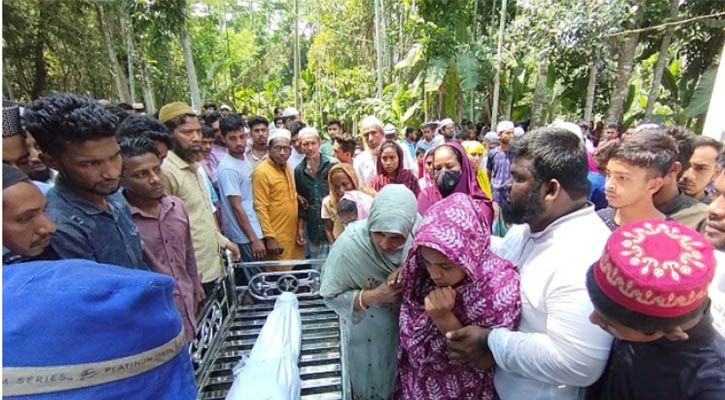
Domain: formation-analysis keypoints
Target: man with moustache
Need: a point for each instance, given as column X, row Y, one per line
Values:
column 311, row 183
column 182, row 179
column 703, row 168
column 258, row 151
column 556, row 351
column 365, row 163
column 275, row 201
column 26, row 228
column 715, row 234
column 163, row 224
column 77, row 138
column 239, row 222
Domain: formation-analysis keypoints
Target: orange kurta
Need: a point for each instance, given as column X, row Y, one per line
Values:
column 275, row 202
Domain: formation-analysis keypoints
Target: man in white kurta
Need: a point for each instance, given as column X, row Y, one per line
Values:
column 556, row 351
column 365, row 164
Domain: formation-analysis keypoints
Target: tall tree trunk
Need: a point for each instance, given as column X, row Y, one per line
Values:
column 296, row 59
column 510, row 98
column 537, row 104
column 190, row 70
column 497, row 76
column 118, row 75
column 379, row 48
column 624, row 67
column 148, row 94
column 128, row 30
column 475, row 40
column 591, row 87
column 661, row 60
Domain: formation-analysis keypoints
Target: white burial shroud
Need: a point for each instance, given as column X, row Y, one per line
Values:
column 271, row 372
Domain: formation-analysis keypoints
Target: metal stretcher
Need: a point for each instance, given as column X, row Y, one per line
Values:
column 227, row 329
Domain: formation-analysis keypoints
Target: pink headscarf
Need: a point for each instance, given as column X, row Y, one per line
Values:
column 488, row 296
column 468, row 185
column 362, row 201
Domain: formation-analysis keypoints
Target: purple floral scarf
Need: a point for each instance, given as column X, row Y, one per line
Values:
column 489, row 296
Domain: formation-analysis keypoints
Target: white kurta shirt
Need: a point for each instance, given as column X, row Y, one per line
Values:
column 556, row 350
column 365, row 165
column 717, row 294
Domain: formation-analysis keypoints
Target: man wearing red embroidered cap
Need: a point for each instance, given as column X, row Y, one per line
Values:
column 650, row 291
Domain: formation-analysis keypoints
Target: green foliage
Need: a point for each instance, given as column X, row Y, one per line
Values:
column 703, row 91
column 438, row 55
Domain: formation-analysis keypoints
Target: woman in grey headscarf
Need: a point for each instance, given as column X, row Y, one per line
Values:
column 359, row 284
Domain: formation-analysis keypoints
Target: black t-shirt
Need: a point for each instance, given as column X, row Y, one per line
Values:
column 665, row 370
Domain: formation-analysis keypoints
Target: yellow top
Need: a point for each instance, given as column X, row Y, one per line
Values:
column 275, row 202
column 182, row 180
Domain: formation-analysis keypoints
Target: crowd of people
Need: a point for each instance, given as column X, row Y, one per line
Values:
column 464, row 263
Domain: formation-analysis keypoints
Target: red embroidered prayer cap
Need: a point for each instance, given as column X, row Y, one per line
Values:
column 657, row 268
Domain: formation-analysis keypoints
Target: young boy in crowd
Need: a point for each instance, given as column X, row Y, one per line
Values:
column 93, row 220
column 703, row 168
column 239, row 222
column 344, row 148
column 163, row 224
column 635, row 172
column 650, row 291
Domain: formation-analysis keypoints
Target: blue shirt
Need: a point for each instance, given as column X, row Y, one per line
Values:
column 499, row 163
column 411, row 146
column 422, row 144
column 83, row 230
column 597, row 193
column 235, row 179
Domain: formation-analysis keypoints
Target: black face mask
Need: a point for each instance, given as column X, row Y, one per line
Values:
column 446, row 180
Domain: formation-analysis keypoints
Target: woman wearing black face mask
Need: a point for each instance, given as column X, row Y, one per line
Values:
column 453, row 174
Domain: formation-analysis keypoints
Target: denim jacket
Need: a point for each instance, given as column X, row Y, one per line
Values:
column 83, row 230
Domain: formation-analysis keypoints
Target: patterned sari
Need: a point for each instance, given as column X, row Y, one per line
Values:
column 489, row 296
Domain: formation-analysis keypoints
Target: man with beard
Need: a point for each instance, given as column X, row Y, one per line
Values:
column 93, row 220
column 163, row 224
column 311, row 183
column 275, row 200
column 448, row 129
column 181, row 179
column 39, row 172
column 557, row 351
column 715, row 234
column 258, row 151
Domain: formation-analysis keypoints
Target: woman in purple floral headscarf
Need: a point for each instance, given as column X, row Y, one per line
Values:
column 453, row 174
column 451, row 279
